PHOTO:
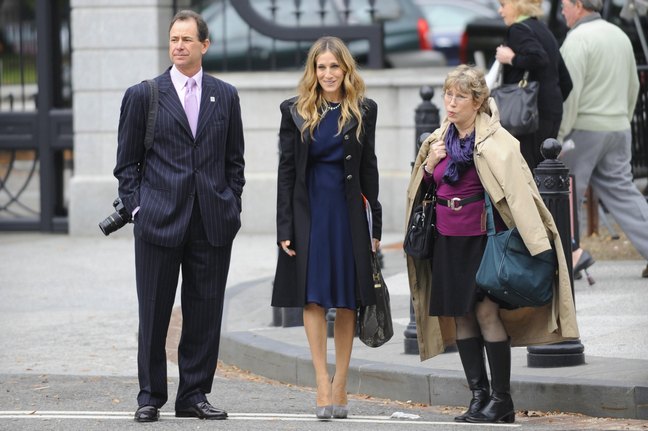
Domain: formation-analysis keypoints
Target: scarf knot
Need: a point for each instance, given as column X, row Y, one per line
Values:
column 460, row 152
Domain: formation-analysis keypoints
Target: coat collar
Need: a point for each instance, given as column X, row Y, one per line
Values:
column 299, row 121
column 486, row 123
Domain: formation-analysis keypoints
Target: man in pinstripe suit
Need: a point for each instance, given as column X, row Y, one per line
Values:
column 186, row 206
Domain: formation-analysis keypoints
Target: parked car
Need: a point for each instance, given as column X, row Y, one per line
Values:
column 448, row 19
column 235, row 46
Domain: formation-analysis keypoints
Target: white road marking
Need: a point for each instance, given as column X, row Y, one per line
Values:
column 289, row 417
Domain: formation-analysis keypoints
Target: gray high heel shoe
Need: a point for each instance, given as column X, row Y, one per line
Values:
column 324, row 412
column 340, row 412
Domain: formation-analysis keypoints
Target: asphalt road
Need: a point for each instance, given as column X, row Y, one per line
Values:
column 68, row 359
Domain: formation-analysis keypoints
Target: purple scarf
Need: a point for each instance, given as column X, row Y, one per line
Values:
column 460, row 152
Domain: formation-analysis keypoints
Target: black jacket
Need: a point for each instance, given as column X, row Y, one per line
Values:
column 179, row 166
column 293, row 211
column 537, row 51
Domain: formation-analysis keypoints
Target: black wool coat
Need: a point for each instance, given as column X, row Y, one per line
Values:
column 537, row 51
column 293, row 210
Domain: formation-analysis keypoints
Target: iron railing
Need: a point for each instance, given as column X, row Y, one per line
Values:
column 35, row 115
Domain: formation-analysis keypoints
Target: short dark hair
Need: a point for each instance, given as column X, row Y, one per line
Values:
column 183, row 15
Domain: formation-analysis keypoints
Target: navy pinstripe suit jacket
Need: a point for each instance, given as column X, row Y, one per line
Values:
column 179, row 167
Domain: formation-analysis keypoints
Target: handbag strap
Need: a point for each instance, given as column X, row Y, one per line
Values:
column 430, row 193
column 490, row 221
column 500, row 78
column 525, row 79
column 375, row 269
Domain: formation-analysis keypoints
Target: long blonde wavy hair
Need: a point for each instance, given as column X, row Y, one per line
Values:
column 310, row 99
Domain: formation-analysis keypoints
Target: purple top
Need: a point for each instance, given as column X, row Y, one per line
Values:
column 469, row 220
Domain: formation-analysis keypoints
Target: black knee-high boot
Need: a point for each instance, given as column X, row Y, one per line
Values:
column 471, row 352
column 500, row 405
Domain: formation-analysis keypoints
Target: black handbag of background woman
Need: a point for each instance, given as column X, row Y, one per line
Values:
column 518, row 103
column 518, row 106
column 421, row 228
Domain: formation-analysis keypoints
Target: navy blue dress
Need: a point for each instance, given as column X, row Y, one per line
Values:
column 331, row 279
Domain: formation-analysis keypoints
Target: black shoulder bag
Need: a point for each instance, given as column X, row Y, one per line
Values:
column 518, row 103
column 421, row 228
column 150, row 121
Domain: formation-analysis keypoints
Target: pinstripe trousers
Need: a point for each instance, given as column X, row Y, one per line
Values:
column 602, row 160
column 204, row 276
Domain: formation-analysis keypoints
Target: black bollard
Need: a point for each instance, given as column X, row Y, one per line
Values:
column 330, row 322
column 411, row 340
column 552, row 178
column 426, row 120
column 426, row 117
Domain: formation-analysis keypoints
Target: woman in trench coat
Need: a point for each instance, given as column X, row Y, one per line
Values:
column 502, row 173
column 327, row 164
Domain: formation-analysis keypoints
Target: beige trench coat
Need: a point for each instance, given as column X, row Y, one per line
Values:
column 509, row 182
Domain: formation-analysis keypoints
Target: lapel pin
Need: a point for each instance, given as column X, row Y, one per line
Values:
column 212, row 99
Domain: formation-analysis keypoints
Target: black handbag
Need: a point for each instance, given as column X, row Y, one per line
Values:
column 376, row 327
column 518, row 106
column 421, row 228
column 508, row 271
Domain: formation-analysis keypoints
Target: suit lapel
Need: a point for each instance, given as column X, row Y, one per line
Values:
column 170, row 101
column 209, row 103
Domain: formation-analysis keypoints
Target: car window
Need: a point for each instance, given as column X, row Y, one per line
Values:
column 448, row 16
column 386, row 10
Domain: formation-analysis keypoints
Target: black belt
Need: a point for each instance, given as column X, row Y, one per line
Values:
column 456, row 204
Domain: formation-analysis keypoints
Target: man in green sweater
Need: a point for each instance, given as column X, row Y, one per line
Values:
column 597, row 115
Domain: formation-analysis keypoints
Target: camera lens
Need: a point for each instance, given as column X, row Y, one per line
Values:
column 116, row 220
column 112, row 223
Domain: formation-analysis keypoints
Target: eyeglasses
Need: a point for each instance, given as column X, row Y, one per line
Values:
column 457, row 97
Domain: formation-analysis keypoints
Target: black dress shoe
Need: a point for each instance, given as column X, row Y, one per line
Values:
column 202, row 410
column 147, row 414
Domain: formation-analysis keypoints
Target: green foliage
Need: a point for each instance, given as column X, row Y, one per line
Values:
column 12, row 72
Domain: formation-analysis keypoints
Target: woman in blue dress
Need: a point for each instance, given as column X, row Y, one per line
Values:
column 327, row 164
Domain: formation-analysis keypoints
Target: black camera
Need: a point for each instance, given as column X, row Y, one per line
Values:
column 116, row 220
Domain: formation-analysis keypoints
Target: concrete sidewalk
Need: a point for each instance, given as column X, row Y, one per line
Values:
column 69, row 307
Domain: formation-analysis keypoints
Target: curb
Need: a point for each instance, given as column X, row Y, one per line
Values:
column 589, row 394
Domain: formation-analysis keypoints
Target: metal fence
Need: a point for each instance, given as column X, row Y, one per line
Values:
column 275, row 35
column 35, row 114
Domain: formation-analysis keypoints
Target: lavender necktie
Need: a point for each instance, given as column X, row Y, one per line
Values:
column 191, row 105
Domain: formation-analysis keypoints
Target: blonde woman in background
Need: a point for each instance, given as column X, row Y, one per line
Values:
column 530, row 46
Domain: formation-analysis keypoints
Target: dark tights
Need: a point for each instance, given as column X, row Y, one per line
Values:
column 485, row 321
